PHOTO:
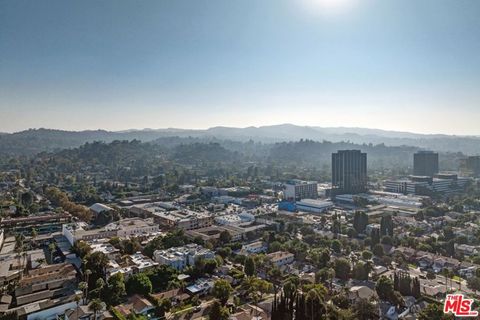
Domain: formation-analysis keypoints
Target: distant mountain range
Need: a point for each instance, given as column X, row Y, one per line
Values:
column 32, row 141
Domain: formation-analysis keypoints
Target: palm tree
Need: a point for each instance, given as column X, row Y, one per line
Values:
column 19, row 245
column 315, row 304
column 446, row 273
column 365, row 310
column 95, row 306
column 84, row 287
column 88, row 272
column 34, row 234
column 51, row 248
column 77, row 299
column 24, row 256
column 331, row 275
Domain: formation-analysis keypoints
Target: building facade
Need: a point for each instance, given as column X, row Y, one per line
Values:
column 181, row 257
column 349, row 172
column 297, row 190
column 425, row 163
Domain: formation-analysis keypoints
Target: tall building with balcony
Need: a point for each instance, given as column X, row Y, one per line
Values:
column 425, row 163
column 349, row 172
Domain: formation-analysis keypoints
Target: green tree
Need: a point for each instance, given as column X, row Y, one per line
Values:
column 434, row 311
column 342, row 269
column 378, row 250
column 315, row 306
column 114, row 291
column 139, row 284
column 222, row 290
column 217, row 312
column 384, row 288
column 365, row 310
column 96, row 305
column 162, row 306
column 367, row 255
column 249, row 267
column 225, row 237
column 360, row 271
column 360, row 221
column 336, row 246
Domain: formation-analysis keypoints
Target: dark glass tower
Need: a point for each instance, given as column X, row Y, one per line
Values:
column 349, row 171
column 425, row 163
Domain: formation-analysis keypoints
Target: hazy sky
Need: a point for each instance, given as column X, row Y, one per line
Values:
column 410, row 65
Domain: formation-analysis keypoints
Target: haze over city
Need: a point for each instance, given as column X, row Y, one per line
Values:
column 239, row 159
column 115, row 65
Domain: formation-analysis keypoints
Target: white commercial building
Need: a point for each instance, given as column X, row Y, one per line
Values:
column 181, row 257
column 132, row 227
column 297, row 189
column 314, row 206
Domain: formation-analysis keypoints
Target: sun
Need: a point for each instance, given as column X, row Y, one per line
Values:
column 329, row 4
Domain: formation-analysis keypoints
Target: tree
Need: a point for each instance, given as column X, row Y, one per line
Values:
column 77, row 299
column 474, row 283
column 222, row 290
column 114, row 291
column 375, row 237
column 210, row 265
column 96, row 305
column 367, row 255
column 342, row 269
column 274, row 246
column 386, row 226
column 225, row 237
column 387, row 240
column 217, row 312
column 162, row 276
column 81, row 249
column 434, row 311
column 378, row 250
column 224, row 252
column 360, row 221
column 83, row 286
column 249, row 267
column 320, row 257
column 162, row 306
column 360, row 271
column 315, row 306
column 139, row 284
column 365, row 310
column 255, row 288
column 34, row 234
column 416, row 292
column 336, row 246
column 97, row 263
column 52, row 248
column 384, row 288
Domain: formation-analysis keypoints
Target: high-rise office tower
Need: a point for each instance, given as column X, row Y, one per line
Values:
column 473, row 165
column 425, row 163
column 349, row 172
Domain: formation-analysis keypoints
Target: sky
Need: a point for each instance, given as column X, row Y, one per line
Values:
column 407, row 65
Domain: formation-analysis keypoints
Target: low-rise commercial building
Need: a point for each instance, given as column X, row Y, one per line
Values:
column 314, row 206
column 168, row 215
column 132, row 227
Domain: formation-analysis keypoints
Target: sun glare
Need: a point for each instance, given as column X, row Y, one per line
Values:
column 328, row 5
